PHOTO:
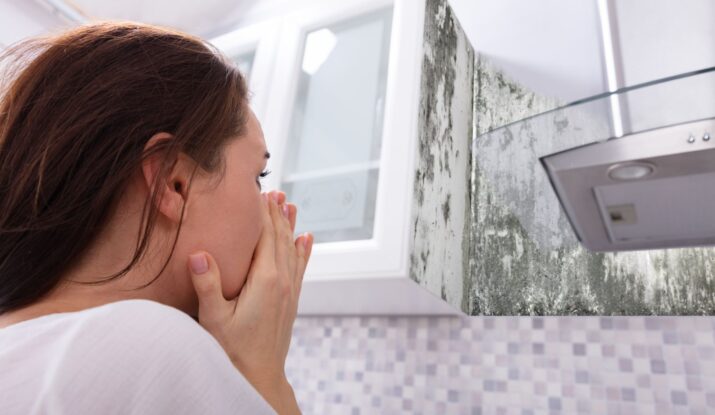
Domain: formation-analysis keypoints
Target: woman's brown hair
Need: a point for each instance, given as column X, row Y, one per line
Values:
column 74, row 120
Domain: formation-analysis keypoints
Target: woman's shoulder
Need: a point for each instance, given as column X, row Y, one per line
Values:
column 139, row 307
column 120, row 310
column 153, row 330
column 143, row 332
column 135, row 331
column 152, row 356
column 147, row 333
column 131, row 321
column 141, row 316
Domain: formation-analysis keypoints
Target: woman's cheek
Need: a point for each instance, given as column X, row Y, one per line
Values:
column 233, row 281
column 244, row 242
column 253, row 233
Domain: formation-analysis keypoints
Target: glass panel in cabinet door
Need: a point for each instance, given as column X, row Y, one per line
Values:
column 333, row 150
column 244, row 61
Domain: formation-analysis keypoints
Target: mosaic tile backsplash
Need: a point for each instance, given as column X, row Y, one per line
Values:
column 504, row 365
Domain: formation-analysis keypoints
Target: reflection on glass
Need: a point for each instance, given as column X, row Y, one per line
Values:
column 337, row 207
column 333, row 151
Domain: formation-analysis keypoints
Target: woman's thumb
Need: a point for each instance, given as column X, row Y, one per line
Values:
column 207, row 282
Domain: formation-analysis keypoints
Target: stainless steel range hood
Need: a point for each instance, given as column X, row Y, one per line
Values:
column 652, row 187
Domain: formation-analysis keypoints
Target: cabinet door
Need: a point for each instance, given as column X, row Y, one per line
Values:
column 252, row 49
column 341, row 130
column 332, row 155
column 244, row 61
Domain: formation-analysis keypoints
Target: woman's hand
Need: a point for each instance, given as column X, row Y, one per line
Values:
column 255, row 328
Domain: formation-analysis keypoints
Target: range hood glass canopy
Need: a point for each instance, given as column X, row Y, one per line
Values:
column 645, row 181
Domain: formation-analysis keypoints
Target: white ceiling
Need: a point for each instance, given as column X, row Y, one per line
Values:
column 204, row 18
column 21, row 19
column 551, row 46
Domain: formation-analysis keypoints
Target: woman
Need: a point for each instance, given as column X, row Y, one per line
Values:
column 141, row 268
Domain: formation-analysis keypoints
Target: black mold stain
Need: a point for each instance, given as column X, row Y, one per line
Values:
column 419, row 190
column 445, row 208
column 506, row 139
column 424, row 256
column 561, row 124
column 446, row 162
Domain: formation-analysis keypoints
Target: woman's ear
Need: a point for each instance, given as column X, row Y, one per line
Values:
column 171, row 195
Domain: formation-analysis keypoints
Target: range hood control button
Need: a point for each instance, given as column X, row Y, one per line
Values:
column 706, row 137
column 691, row 139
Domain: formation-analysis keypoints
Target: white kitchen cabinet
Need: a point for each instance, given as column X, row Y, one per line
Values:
column 338, row 87
column 253, row 50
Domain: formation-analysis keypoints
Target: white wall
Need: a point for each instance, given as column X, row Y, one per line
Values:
column 661, row 38
column 552, row 47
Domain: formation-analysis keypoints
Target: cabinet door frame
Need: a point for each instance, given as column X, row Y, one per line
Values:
column 263, row 39
column 386, row 254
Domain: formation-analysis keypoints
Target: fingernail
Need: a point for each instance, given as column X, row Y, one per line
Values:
column 275, row 196
column 199, row 264
column 305, row 240
column 285, row 210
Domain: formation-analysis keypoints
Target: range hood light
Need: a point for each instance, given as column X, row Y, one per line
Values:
column 630, row 171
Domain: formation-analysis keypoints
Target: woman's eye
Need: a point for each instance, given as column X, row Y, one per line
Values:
column 262, row 175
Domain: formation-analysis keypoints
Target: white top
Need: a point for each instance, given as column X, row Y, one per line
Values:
column 130, row 356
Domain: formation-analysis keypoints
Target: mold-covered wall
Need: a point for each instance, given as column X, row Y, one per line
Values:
column 440, row 211
column 524, row 257
column 489, row 235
